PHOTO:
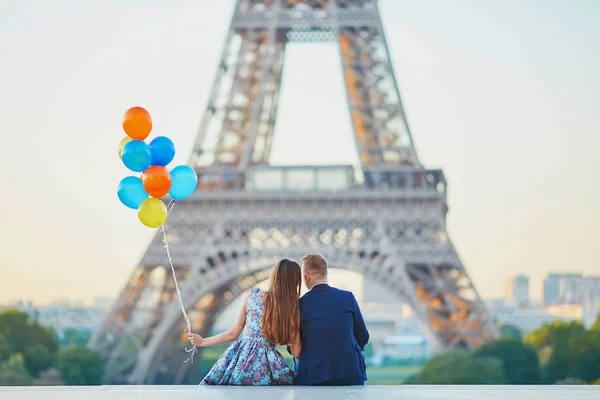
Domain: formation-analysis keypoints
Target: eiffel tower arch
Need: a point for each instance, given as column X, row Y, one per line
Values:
column 384, row 219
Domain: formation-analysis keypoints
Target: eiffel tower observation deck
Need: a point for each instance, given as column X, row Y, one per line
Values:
column 385, row 218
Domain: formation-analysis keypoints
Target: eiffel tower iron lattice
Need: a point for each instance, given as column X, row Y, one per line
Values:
column 385, row 220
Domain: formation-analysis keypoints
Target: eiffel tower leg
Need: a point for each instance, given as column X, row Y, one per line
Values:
column 266, row 126
column 381, row 130
column 238, row 123
column 137, row 311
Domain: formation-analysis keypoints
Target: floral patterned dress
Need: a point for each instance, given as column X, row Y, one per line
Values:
column 251, row 360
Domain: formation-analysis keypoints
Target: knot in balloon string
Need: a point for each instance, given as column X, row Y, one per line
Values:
column 193, row 350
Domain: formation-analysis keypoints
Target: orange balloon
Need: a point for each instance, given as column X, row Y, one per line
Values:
column 137, row 123
column 157, row 181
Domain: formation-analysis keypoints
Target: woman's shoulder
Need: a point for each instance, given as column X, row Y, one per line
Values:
column 256, row 292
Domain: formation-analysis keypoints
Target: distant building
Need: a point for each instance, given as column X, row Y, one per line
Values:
column 395, row 332
column 551, row 290
column 517, row 290
column 561, row 289
column 496, row 304
column 566, row 312
column 404, row 348
column 591, row 300
column 381, row 326
column 63, row 316
column 529, row 319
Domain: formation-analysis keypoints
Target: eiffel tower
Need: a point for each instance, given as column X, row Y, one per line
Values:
column 385, row 220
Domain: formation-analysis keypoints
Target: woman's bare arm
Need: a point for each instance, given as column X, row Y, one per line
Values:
column 225, row 337
column 296, row 346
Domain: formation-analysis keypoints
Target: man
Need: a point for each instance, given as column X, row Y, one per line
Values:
column 332, row 331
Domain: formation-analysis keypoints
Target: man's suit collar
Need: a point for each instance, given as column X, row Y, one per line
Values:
column 320, row 286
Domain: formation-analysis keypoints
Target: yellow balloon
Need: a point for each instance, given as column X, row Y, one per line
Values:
column 124, row 141
column 152, row 213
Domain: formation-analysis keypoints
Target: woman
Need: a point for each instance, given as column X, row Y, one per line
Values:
column 271, row 318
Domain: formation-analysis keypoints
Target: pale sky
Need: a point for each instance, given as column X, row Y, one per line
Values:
column 503, row 95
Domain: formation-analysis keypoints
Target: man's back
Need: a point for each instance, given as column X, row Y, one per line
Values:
column 333, row 336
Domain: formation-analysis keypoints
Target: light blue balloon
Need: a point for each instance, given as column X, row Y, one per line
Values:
column 131, row 192
column 136, row 156
column 162, row 150
column 183, row 182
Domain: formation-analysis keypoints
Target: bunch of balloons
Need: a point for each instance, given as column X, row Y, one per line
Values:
column 143, row 193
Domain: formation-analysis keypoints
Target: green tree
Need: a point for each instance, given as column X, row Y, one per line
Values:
column 510, row 332
column 587, row 349
column 37, row 344
column 520, row 361
column 554, row 334
column 13, row 373
column 459, row 367
column 552, row 342
column 79, row 365
column 38, row 359
column 14, row 327
column 596, row 324
column 5, row 350
column 22, row 332
column 567, row 351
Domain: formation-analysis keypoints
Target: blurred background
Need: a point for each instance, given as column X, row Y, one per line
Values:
column 502, row 95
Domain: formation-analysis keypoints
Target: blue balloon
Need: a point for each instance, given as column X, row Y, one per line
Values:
column 183, row 182
column 163, row 151
column 131, row 192
column 136, row 156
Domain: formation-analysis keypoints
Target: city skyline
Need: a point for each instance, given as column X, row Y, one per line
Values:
column 356, row 282
column 508, row 115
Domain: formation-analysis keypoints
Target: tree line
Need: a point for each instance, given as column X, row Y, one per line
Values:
column 556, row 353
column 559, row 352
column 31, row 354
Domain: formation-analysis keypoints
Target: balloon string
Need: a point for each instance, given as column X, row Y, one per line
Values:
column 193, row 349
column 170, row 206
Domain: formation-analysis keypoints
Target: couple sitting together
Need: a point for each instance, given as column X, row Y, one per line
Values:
column 324, row 331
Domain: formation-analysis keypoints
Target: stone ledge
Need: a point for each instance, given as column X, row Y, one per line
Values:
column 407, row 392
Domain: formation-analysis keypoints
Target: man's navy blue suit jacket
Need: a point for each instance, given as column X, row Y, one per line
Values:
column 333, row 335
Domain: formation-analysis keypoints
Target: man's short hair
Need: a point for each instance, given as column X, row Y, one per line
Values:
column 315, row 265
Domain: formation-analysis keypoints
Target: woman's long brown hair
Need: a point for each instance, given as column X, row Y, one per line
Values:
column 281, row 317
